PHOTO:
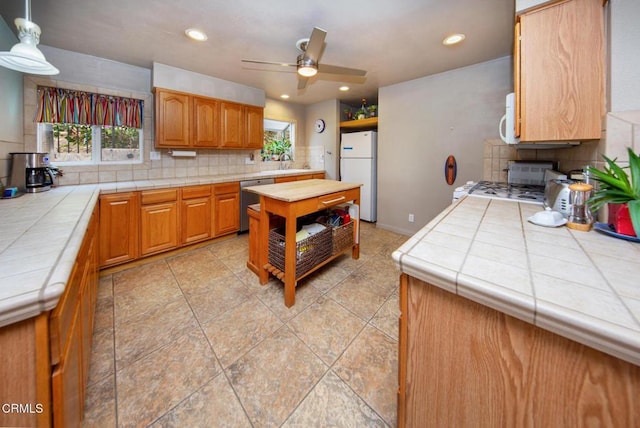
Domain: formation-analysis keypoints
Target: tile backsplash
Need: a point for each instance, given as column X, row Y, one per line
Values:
column 622, row 131
column 497, row 154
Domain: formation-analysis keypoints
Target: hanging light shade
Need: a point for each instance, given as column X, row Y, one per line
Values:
column 25, row 56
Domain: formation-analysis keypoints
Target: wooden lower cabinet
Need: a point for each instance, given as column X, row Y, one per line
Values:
column 226, row 208
column 119, row 230
column 71, row 333
column 158, row 221
column 463, row 364
column 47, row 368
column 67, row 379
column 196, row 214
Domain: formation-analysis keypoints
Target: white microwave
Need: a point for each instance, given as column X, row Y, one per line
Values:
column 508, row 121
column 507, row 129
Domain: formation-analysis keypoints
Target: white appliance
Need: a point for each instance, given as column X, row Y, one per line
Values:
column 508, row 121
column 358, row 164
column 507, row 129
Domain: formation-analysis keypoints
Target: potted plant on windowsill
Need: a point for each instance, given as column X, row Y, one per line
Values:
column 621, row 190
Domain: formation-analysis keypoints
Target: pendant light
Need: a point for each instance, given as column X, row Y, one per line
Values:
column 25, row 56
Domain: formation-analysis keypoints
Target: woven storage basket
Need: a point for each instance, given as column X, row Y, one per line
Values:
column 309, row 252
column 342, row 237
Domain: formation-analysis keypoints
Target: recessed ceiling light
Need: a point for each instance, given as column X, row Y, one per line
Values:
column 453, row 39
column 284, row 96
column 196, row 34
column 344, row 88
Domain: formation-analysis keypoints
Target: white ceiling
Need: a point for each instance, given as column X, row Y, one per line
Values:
column 394, row 41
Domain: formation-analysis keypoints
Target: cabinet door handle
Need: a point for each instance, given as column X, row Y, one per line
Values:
column 341, row 198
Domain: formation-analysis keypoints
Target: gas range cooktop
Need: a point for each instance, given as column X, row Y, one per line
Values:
column 528, row 193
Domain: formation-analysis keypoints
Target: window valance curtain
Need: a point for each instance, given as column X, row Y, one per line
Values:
column 56, row 105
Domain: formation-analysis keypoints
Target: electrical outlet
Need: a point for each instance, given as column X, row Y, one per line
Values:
column 411, row 218
column 153, row 155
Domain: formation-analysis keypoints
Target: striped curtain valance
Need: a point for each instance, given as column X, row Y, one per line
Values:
column 56, row 105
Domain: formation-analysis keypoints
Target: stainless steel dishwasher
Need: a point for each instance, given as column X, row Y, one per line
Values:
column 248, row 198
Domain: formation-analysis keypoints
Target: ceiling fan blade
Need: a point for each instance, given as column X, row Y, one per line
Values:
column 336, row 69
column 284, row 64
column 302, row 82
column 316, row 43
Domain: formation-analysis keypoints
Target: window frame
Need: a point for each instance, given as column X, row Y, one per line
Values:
column 293, row 137
column 96, row 147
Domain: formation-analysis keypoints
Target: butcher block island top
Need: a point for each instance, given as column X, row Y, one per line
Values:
column 289, row 201
column 584, row 286
column 298, row 190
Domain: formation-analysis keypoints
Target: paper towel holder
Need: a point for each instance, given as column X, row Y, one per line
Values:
column 182, row 153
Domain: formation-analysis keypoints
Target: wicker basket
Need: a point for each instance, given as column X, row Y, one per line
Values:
column 342, row 237
column 309, row 252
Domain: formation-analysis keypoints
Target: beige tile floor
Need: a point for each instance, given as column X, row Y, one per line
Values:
column 195, row 340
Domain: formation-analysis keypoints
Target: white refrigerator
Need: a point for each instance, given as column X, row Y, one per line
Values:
column 358, row 164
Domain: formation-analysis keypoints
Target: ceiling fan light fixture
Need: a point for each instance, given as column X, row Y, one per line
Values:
column 196, row 34
column 306, row 66
column 344, row 88
column 25, row 56
column 453, row 39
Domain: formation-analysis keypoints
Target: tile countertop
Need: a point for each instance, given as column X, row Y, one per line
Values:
column 584, row 286
column 41, row 234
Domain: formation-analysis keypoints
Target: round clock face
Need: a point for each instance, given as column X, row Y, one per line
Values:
column 319, row 125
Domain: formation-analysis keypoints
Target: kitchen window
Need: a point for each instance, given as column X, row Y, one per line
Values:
column 78, row 128
column 73, row 144
column 279, row 140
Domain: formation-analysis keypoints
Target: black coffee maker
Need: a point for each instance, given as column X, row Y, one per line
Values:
column 30, row 172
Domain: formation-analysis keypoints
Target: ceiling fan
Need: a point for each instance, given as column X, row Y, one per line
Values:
column 308, row 62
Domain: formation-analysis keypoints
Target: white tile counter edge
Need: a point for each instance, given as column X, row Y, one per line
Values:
column 37, row 296
column 43, row 297
column 613, row 339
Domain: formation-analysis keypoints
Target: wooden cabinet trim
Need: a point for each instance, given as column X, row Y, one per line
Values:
column 196, row 191
column 220, row 189
column 148, row 197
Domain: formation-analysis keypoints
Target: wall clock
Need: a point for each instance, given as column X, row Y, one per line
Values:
column 319, row 125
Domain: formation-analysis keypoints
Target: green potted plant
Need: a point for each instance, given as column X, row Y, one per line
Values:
column 619, row 189
column 348, row 114
column 372, row 110
column 277, row 150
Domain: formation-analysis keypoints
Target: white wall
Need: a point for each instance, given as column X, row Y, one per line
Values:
column 325, row 145
column 168, row 77
column 624, row 55
column 423, row 121
column 11, row 93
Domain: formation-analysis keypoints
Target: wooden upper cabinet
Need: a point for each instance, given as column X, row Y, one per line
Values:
column 186, row 120
column 559, row 71
column 173, row 119
column 233, row 129
column 206, row 122
column 254, row 127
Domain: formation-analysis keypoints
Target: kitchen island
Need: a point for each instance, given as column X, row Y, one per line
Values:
column 505, row 323
column 290, row 201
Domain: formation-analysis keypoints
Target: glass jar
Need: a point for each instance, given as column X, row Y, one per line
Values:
column 580, row 217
